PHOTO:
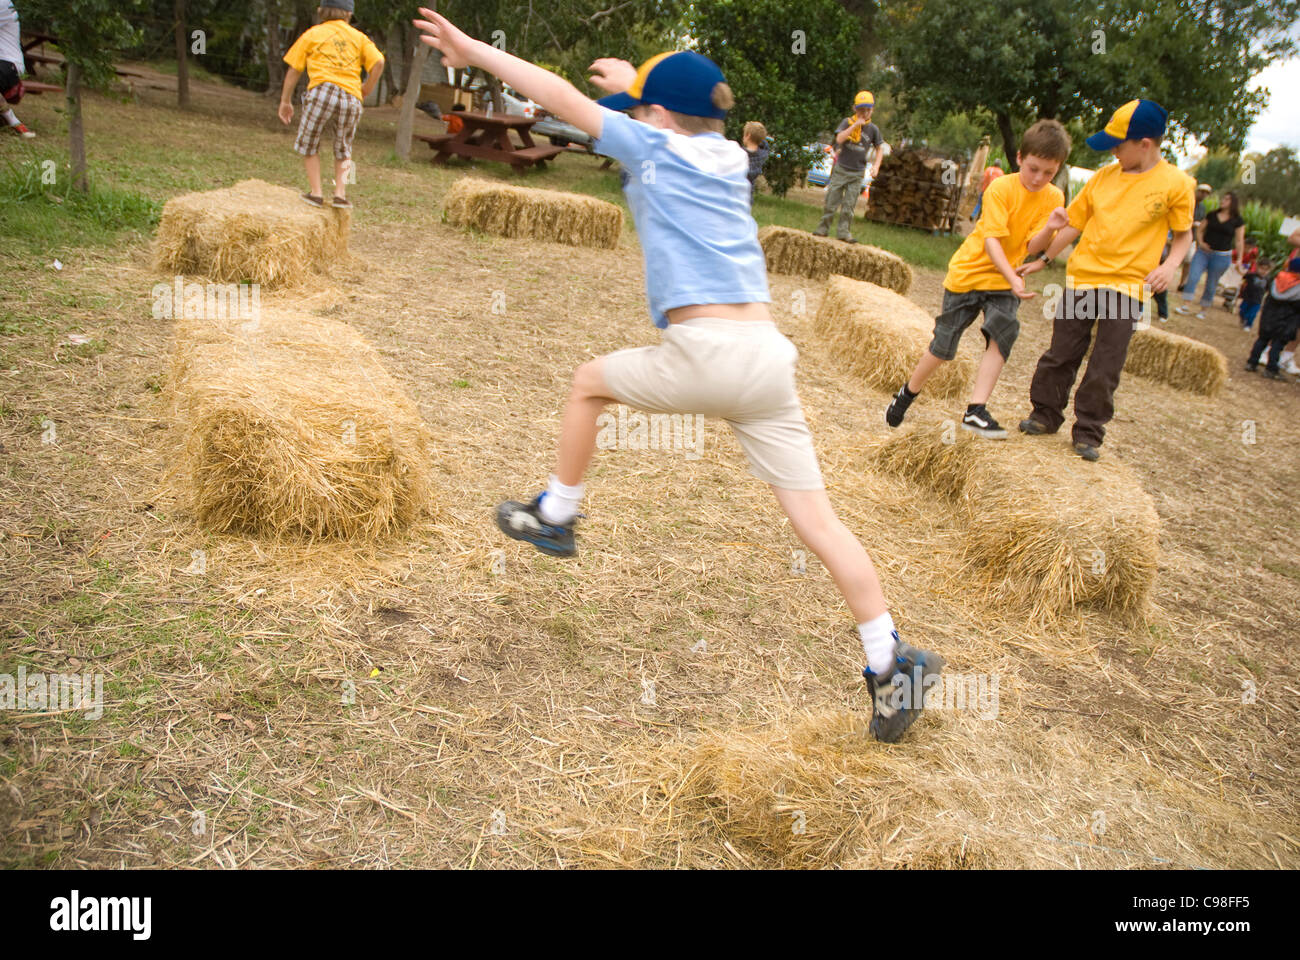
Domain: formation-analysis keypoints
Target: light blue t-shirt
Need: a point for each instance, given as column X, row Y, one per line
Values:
column 690, row 199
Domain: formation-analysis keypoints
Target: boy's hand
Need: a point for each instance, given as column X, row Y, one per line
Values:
column 286, row 112
column 441, row 34
column 1025, row 269
column 1059, row 219
column 1160, row 278
column 1018, row 288
column 612, row 75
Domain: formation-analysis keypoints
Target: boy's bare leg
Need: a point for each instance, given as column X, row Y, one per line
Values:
column 312, row 164
column 578, row 432
column 924, row 368
column 341, row 177
column 816, row 524
column 987, row 375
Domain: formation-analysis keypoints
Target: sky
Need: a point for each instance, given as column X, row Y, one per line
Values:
column 1279, row 124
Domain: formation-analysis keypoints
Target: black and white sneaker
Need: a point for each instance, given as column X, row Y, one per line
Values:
column 898, row 697
column 898, row 406
column 523, row 521
column 979, row 420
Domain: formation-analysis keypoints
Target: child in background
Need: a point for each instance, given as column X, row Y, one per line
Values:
column 12, row 68
column 1253, row 286
column 333, row 54
column 1021, row 214
column 454, row 123
column 754, row 138
column 721, row 354
column 1279, row 319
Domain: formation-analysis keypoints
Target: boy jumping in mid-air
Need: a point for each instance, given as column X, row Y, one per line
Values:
column 1021, row 213
column 333, row 53
column 721, row 355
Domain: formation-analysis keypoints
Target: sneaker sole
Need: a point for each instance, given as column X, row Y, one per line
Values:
column 998, row 434
column 525, row 537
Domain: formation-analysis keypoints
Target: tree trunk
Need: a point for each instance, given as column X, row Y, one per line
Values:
column 274, row 63
column 182, row 58
column 1009, row 144
column 76, row 132
column 406, row 117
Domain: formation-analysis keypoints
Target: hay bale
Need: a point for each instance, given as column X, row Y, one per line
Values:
column 801, row 253
column 799, row 793
column 497, row 208
column 294, row 429
column 1180, row 362
column 879, row 336
column 1044, row 529
column 252, row 232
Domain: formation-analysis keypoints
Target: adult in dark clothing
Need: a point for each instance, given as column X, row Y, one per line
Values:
column 857, row 142
column 1223, row 231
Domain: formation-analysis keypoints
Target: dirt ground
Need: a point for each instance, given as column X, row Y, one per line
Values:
column 510, row 709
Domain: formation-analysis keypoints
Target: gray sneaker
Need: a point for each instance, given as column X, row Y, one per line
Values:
column 1088, row 452
column 898, row 697
column 1032, row 427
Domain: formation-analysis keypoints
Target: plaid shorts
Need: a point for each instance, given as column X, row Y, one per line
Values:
column 325, row 102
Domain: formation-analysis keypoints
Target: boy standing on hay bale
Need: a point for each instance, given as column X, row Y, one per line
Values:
column 333, row 53
column 721, row 354
column 1020, row 215
column 1121, row 218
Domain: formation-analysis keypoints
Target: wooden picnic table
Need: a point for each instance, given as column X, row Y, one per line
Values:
column 488, row 138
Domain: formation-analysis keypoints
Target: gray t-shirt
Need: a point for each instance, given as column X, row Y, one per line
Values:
column 853, row 156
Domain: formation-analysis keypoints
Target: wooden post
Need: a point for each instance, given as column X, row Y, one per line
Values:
column 274, row 63
column 76, row 132
column 182, row 58
column 406, row 117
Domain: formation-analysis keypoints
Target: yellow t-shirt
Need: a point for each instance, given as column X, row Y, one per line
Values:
column 1010, row 213
column 334, row 52
column 1124, row 219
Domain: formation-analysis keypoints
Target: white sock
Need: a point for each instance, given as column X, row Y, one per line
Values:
column 1286, row 355
column 560, row 505
column 878, row 642
column 11, row 118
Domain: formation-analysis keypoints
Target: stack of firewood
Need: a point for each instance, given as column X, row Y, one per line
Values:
column 916, row 188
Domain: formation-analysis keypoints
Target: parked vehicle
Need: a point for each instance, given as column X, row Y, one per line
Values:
column 820, row 170
column 561, row 134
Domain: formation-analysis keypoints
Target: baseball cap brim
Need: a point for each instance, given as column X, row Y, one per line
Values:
column 1103, row 141
column 619, row 102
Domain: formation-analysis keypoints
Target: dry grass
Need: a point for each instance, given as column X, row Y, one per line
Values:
column 1180, row 362
column 1046, row 531
column 253, row 232
column 879, row 336
column 524, row 212
column 801, row 253
column 291, row 427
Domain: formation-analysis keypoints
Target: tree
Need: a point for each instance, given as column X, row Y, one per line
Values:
column 89, row 32
column 793, row 67
column 1077, row 60
column 1273, row 178
column 1217, row 168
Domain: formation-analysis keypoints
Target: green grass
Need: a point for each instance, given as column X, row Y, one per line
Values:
column 46, row 218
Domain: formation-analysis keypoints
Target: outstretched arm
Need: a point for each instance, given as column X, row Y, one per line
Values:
column 553, row 92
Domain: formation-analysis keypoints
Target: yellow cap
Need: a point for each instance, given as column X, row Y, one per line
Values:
column 864, row 99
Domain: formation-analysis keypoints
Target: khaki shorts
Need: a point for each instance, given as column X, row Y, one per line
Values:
column 741, row 371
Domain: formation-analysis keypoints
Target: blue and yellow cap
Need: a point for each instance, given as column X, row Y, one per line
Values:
column 1133, row 121
column 864, row 99
column 680, row 81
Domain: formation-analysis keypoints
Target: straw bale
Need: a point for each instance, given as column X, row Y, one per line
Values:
column 508, row 211
column 801, row 253
column 1180, row 362
column 879, row 336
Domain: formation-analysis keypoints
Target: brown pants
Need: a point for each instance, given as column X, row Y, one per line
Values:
column 1114, row 316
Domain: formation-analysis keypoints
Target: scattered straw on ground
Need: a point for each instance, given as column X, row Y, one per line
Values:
column 1045, row 529
column 508, row 211
column 1180, row 362
column 802, row 253
column 252, row 232
column 292, row 427
column 879, row 336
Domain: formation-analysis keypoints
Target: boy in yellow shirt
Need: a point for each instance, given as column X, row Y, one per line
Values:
column 1121, row 218
column 332, row 53
column 1021, row 212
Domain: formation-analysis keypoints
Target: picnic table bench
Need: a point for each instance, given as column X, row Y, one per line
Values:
column 488, row 138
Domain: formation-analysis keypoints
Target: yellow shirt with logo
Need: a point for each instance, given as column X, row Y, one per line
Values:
column 1124, row 219
column 334, row 52
column 1010, row 213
